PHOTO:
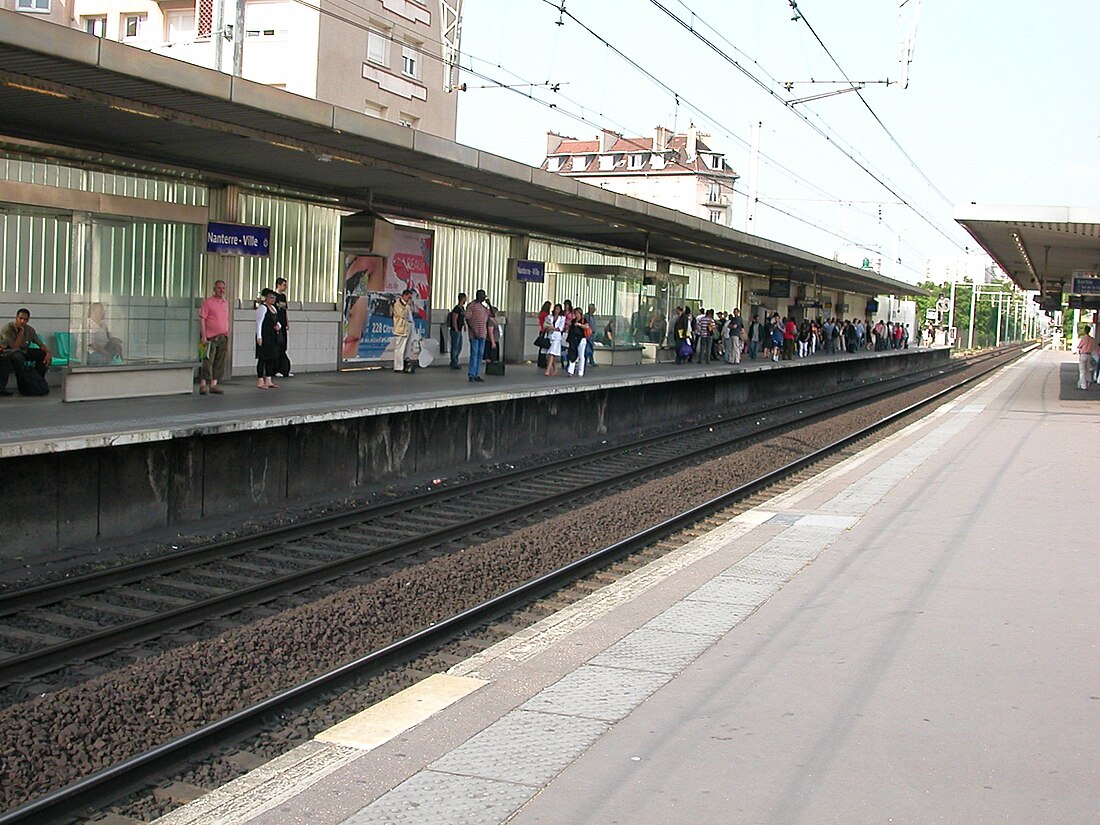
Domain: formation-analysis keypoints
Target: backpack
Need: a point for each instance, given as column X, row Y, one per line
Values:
column 30, row 382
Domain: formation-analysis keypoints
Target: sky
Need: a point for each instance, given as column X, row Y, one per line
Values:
column 1000, row 106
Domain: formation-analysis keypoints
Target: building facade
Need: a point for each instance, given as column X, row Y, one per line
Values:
column 679, row 171
column 392, row 59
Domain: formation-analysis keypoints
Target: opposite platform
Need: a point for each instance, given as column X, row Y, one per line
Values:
column 909, row 637
column 34, row 426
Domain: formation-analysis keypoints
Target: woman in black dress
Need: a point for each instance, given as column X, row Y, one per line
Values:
column 268, row 341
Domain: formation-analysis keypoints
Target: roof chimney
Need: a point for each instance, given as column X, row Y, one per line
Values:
column 607, row 140
column 553, row 142
column 692, row 146
column 661, row 143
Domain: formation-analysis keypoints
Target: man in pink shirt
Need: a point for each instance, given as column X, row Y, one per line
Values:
column 214, row 333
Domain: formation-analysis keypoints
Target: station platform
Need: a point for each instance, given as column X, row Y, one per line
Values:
column 35, row 426
column 908, row 637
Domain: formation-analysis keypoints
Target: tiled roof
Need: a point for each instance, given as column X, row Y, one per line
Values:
column 675, row 157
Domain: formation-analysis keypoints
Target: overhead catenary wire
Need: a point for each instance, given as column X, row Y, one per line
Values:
column 351, row 11
column 563, row 12
column 802, row 17
column 877, row 177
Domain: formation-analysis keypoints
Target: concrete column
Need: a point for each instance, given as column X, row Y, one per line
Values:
column 223, row 204
column 515, row 299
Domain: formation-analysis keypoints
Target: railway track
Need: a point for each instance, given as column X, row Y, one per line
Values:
column 69, row 623
column 320, row 556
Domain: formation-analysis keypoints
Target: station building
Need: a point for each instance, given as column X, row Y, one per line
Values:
column 392, row 59
column 114, row 163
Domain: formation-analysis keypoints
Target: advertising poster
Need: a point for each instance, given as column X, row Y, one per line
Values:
column 371, row 286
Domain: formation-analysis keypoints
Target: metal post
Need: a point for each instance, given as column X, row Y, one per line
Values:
column 238, row 41
column 998, row 341
column 970, row 332
column 217, row 33
column 951, row 310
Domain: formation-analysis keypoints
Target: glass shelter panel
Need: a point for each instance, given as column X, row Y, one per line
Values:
column 135, row 303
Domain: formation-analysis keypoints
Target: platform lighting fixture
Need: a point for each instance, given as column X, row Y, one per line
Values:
column 285, row 145
column 138, row 112
column 1023, row 251
column 36, row 90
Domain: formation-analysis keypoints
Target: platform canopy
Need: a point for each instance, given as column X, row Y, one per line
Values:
column 1039, row 247
column 113, row 104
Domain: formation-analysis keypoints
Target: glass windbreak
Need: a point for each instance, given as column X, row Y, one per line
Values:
column 626, row 312
column 649, row 324
column 136, row 302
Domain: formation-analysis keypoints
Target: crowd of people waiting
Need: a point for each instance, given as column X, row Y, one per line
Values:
column 724, row 336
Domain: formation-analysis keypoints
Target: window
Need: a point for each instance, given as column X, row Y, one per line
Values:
column 206, row 17
column 408, row 121
column 715, row 161
column 637, row 160
column 378, row 46
column 35, row 6
column 553, row 164
column 133, row 26
column 179, row 26
column 714, row 192
column 410, row 61
column 580, row 162
column 375, row 109
column 95, row 25
column 717, row 216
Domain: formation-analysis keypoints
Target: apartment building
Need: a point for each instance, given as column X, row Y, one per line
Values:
column 392, row 59
column 679, row 170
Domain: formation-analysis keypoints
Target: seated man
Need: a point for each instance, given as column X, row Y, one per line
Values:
column 15, row 338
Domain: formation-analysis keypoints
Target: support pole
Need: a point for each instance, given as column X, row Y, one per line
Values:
column 970, row 332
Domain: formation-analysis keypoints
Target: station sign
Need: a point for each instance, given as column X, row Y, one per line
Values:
column 532, row 272
column 779, row 288
column 237, row 239
column 1084, row 301
column 1085, row 282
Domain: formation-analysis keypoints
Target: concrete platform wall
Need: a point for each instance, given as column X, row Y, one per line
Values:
column 105, row 494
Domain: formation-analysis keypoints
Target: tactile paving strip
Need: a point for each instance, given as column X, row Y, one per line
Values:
column 435, row 798
column 732, row 590
column 597, row 692
column 658, row 650
column 709, row 618
column 524, row 747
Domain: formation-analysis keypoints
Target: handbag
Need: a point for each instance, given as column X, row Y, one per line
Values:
column 542, row 341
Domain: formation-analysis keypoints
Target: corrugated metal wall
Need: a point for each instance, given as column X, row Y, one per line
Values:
column 466, row 260
column 305, row 249
column 45, row 173
column 35, row 251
